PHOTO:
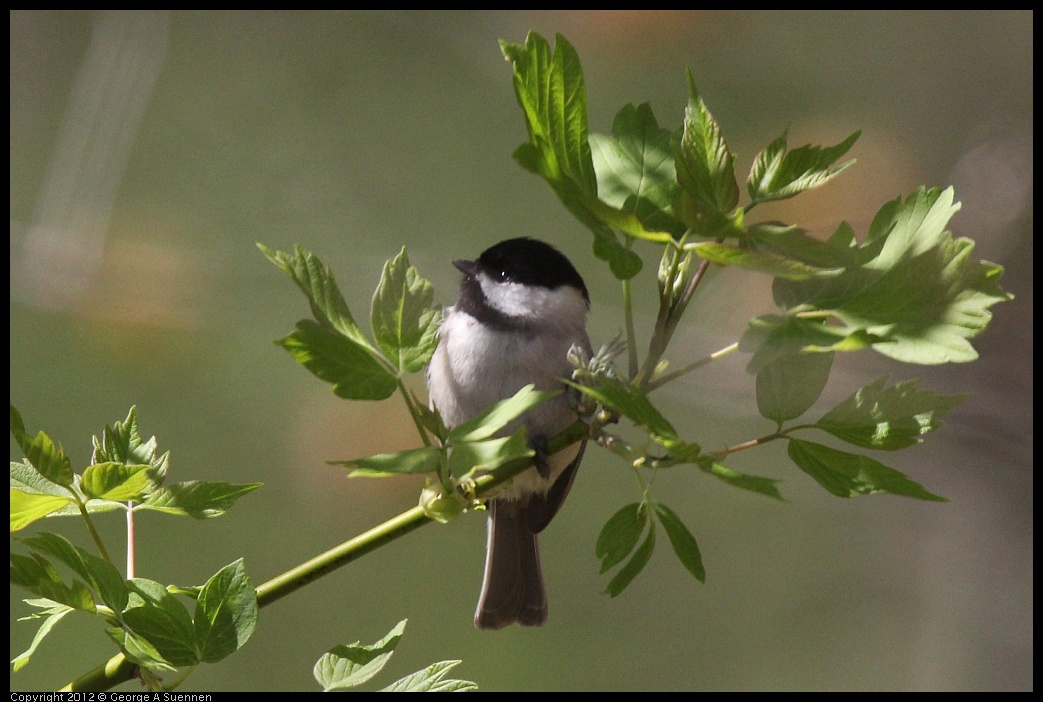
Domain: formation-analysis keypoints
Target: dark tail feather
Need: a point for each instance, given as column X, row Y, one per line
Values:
column 512, row 590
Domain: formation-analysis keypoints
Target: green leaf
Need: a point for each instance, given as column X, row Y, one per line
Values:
column 631, row 402
column 878, row 417
column 418, row 460
column 499, row 415
column 404, row 323
column 753, row 483
column 41, row 453
column 622, row 262
column 37, row 575
column 467, row 457
column 824, row 258
column 705, row 169
column 164, row 632
column 430, row 680
column 340, row 360
column 316, row 282
column 620, row 534
column 28, row 480
column 197, row 499
column 550, row 89
column 122, row 443
column 138, row 650
column 682, row 541
column 27, row 508
column 48, row 623
column 913, row 290
column 116, row 481
column 226, row 613
column 847, row 474
column 772, row 337
column 635, row 169
column 753, row 260
column 99, row 573
column 634, row 566
column 348, row 666
column 788, row 386
column 778, row 173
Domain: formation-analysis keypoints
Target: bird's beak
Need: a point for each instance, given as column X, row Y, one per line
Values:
column 469, row 268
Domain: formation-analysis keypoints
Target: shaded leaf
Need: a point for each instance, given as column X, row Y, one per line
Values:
column 847, row 474
column 682, row 541
column 878, row 417
column 788, row 386
column 620, row 535
column 634, row 566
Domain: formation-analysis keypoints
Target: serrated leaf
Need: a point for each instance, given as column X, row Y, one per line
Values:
column 226, row 613
column 705, row 169
column 340, row 360
column 116, row 481
column 404, row 323
column 788, row 386
column 550, row 89
column 912, row 289
column 878, row 417
column 348, row 666
column 197, row 499
column 46, row 626
column 635, row 168
column 634, row 566
column 847, row 474
column 26, row 508
column 42, row 453
column 682, row 541
column 778, row 173
column 620, row 535
column 430, row 680
column 317, row 283
column 418, row 460
column 753, row 483
column 122, row 443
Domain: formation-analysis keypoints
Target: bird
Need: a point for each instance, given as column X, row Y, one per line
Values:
column 522, row 306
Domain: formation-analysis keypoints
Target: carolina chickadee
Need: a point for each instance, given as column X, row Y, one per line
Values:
column 522, row 305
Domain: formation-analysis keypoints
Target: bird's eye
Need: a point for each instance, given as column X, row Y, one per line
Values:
column 502, row 276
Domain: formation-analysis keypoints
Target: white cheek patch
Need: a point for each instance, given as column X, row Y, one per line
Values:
column 533, row 302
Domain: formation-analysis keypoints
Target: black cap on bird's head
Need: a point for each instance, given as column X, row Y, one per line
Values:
column 526, row 261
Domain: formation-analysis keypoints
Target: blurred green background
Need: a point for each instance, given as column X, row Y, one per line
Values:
column 149, row 151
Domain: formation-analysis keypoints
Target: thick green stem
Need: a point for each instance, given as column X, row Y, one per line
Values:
column 118, row 669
